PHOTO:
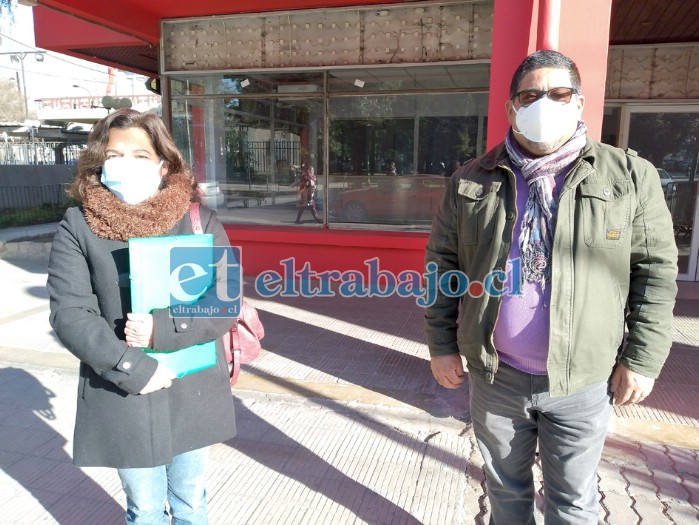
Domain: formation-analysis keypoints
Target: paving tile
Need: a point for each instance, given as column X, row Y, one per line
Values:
column 318, row 455
column 680, row 513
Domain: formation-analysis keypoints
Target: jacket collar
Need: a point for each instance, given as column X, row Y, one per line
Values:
column 588, row 152
column 495, row 157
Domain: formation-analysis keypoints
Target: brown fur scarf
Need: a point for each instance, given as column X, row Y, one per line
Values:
column 110, row 218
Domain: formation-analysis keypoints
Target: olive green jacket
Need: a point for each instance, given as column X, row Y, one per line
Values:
column 613, row 265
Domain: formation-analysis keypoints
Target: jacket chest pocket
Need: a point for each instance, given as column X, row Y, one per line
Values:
column 477, row 205
column 606, row 212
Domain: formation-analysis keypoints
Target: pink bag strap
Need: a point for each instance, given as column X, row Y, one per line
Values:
column 195, row 217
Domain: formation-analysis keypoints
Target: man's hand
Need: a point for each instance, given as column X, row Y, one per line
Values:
column 448, row 370
column 161, row 379
column 629, row 387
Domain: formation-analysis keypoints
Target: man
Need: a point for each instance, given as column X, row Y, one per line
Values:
column 571, row 240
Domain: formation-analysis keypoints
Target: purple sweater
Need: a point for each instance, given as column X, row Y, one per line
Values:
column 521, row 335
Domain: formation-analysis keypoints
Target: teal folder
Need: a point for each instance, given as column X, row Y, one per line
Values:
column 150, row 275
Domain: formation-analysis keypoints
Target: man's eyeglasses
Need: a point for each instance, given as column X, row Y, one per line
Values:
column 562, row 95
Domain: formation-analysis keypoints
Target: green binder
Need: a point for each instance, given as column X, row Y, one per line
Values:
column 150, row 271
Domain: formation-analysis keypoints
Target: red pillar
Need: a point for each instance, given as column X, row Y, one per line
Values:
column 579, row 30
column 548, row 26
column 514, row 37
column 584, row 37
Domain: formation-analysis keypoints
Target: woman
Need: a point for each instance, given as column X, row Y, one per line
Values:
column 307, row 194
column 132, row 413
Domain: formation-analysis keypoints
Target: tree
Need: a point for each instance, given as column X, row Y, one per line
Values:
column 11, row 101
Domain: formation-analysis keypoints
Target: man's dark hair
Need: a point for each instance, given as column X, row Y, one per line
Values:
column 545, row 59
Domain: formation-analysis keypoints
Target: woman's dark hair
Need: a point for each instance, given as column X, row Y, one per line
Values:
column 92, row 158
column 545, row 59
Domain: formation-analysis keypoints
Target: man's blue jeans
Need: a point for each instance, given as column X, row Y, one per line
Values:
column 181, row 483
column 515, row 412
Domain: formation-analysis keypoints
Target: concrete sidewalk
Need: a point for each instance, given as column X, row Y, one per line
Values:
column 340, row 422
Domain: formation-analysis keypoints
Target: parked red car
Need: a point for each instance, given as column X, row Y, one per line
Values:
column 390, row 198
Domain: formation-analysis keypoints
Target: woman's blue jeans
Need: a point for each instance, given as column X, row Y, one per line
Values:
column 181, row 483
column 514, row 415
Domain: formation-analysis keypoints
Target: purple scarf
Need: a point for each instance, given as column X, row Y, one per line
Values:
column 536, row 238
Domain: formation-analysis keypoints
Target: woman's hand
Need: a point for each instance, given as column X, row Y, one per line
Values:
column 161, row 379
column 139, row 330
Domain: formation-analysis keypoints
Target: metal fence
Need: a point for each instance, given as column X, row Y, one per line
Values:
column 286, row 153
column 24, row 205
column 30, row 153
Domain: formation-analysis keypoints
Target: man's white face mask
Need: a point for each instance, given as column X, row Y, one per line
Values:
column 132, row 180
column 546, row 121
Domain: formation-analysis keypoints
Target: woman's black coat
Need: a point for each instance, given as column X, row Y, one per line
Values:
column 88, row 284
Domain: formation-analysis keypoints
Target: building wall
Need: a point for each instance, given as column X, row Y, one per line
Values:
column 409, row 33
column 352, row 36
column 660, row 72
column 501, row 31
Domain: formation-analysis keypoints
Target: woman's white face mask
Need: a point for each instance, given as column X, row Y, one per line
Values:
column 546, row 121
column 131, row 179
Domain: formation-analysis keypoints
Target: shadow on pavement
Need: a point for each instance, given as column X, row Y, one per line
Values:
column 31, row 264
column 32, row 453
column 357, row 361
column 385, row 314
column 267, row 445
column 686, row 308
column 675, row 391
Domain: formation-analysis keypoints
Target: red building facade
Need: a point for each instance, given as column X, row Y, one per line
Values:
column 383, row 99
